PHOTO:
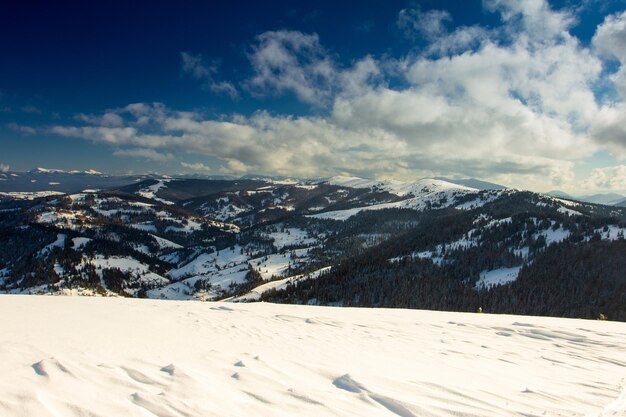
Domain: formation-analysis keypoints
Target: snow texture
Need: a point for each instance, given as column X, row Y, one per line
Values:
column 91, row 356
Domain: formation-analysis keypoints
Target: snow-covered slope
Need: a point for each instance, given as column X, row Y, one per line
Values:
column 84, row 356
column 152, row 190
column 422, row 194
column 400, row 188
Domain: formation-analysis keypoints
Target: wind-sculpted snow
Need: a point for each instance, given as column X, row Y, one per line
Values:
column 79, row 356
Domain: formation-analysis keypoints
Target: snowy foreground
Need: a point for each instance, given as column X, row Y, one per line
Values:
column 80, row 356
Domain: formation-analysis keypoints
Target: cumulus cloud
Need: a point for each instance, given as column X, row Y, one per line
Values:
column 199, row 68
column 610, row 37
column 513, row 104
column 198, row 166
column 609, row 128
column 609, row 42
column 234, row 166
column 532, row 18
column 373, row 145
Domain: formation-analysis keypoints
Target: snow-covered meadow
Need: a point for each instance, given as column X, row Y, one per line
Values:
column 87, row 356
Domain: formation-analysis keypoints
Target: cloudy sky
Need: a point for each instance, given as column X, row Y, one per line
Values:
column 529, row 93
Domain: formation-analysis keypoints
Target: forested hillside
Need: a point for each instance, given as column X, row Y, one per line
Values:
column 347, row 241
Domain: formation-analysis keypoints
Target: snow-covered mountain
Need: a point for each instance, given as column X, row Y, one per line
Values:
column 400, row 188
column 267, row 239
column 40, row 170
column 60, row 181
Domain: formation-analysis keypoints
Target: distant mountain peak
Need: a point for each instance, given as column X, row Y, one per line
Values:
column 41, row 170
column 602, row 198
column 560, row 194
column 400, row 188
column 92, row 172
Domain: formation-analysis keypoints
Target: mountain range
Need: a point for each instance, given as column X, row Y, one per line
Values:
column 341, row 241
column 63, row 181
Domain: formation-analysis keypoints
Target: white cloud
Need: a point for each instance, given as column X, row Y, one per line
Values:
column 610, row 37
column 365, row 73
column 197, row 67
column 109, row 119
column 312, row 146
column 534, row 18
column 462, row 39
column 291, row 61
column 110, row 135
column 429, row 24
column 609, row 178
column 609, row 127
column 233, row 166
column 610, row 42
column 198, row 166
column 4, row 168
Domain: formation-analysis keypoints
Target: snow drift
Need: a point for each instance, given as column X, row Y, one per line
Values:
column 80, row 356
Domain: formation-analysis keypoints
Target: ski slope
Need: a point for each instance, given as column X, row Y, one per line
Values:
column 96, row 357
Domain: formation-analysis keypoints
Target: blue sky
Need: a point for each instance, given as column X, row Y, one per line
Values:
column 525, row 93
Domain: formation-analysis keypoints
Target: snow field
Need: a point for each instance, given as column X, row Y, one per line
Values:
column 88, row 356
column 498, row 276
column 426, row 192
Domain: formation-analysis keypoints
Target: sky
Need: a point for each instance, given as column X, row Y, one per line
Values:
column 528, row 93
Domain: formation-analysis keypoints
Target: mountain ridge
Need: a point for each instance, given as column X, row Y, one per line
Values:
column 252, row 239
